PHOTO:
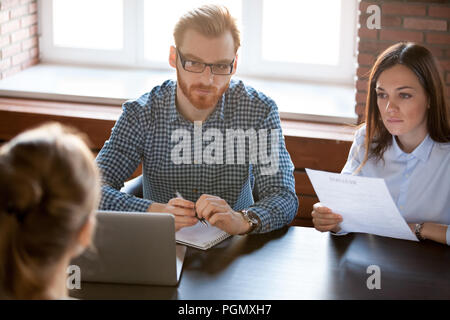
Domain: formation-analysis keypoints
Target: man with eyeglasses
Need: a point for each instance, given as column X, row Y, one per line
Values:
column 204, row 99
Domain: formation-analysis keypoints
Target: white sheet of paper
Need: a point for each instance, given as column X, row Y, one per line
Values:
column 365, row 204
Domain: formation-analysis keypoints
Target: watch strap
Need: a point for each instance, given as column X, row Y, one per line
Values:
column 417, row 231
column 251, row 218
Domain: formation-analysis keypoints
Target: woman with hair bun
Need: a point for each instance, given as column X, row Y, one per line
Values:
column 405, row 140
column 49, row 191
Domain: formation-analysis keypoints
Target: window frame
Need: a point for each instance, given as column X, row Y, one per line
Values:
column 63, row 55
column 343, row 73
column 132, row 56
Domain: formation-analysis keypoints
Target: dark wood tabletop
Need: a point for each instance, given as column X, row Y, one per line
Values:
column 300, row 263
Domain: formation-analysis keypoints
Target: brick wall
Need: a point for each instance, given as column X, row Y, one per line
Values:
column 18, row 36
column 424, row 22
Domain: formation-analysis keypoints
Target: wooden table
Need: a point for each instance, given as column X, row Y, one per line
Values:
column 300, row 263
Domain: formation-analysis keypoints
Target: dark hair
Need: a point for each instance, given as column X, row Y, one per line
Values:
column 420, row 61
column 49, row 187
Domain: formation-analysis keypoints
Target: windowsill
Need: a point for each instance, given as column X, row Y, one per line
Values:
column 295, row 100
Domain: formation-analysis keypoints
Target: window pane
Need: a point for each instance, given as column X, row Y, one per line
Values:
column 159, row 23
column 301, row 31
column 92, row 24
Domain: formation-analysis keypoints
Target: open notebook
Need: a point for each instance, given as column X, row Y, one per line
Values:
column 200, row 236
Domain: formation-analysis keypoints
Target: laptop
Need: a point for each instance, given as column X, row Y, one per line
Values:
column 133, row 248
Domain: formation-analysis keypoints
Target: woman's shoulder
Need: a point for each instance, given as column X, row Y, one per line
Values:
column 360, row 135
column 444, row 146
column 361, row 131
column 442, row 150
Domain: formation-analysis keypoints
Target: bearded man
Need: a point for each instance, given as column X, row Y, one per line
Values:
column 238, row 197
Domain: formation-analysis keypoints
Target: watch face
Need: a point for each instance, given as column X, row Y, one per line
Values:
column 252, row 218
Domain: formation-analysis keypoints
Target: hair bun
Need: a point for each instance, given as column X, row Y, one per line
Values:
column 21, row 193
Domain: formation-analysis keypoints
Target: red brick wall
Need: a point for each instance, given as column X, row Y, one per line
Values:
column 423, row 22
column 18, row 36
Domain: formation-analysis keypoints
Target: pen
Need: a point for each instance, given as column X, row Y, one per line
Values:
column 202, row 220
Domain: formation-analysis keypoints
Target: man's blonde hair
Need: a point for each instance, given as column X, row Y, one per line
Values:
column 208, row 20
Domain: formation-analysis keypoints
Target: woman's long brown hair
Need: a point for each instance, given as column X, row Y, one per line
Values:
column 49, row 186
column 420, row 61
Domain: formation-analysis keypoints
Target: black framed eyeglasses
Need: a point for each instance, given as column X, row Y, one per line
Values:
column 222, row 69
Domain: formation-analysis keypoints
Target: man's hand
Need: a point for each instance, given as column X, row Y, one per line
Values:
column 182, row 209
column 324, row 219
column 218, row 213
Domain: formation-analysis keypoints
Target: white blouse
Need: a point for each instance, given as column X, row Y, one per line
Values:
column 419, row 182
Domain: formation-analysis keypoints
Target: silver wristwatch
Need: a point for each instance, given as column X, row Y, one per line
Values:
column 251, row 218
column 417, row 230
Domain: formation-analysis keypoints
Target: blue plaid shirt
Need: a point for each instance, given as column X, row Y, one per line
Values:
column 144, row 132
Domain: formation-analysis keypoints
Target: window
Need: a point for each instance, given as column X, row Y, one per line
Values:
column 76, row 27
column 282, row 39
column 278, row 44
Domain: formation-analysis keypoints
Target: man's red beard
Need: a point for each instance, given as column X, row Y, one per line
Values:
column 199, row 101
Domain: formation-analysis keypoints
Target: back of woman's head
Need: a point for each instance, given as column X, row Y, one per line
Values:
column 49, row 187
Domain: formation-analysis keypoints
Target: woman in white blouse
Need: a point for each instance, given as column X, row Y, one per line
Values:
column 406, row 141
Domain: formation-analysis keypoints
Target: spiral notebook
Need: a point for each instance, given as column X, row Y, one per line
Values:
column 200, row 236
